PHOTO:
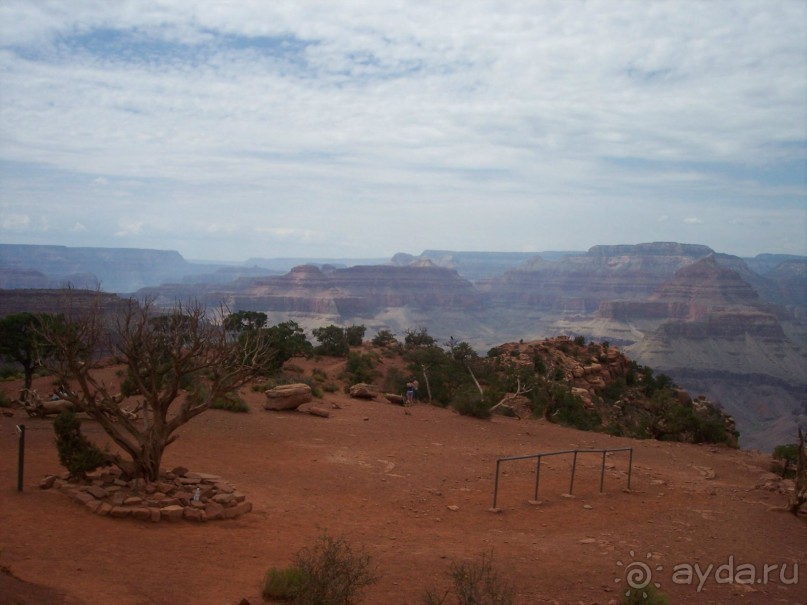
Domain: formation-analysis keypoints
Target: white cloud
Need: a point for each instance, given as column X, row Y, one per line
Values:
column 16, row 222
column 284, row 234
column 693, row 220
column 129, row 227
column 78, row 227
column 323, row 117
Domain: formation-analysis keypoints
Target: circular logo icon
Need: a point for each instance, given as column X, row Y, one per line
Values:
column 637, row 574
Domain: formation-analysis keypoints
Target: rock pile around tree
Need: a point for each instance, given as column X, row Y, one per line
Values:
column 178, row 494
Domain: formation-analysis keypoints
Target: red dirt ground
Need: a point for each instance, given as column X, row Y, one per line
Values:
column 385, row 480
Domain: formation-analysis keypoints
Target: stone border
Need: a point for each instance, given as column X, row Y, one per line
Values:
column 178, row 494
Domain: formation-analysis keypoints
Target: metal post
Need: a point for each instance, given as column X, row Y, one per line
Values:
column 21, row 456
column 602, row 472
column 574, row 466
column 630, row 466
column 496, row 485
column 537, row 476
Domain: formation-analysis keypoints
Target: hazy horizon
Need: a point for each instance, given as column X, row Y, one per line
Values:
column 307, row 129
column 325, row 257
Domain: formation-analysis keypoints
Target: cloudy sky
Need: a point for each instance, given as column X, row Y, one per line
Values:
column 362, row 128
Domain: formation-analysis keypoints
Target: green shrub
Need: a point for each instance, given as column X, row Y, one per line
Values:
column 360, row 368
column 282, row 584
column 333, row 341
column 787, row 454
column 76, row 453
column 477, row 583
column 539, row 364
column 10, row 372
column 333, row 573
column 384, row 338
column 568, row 410
column 5, row 400
column 230, row 402
column 614, row 391
column 394, row 381
column 644, row 596
column 354, row 335
column 467, row 403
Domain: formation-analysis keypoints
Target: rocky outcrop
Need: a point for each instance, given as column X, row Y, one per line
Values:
column 618, row 393
column 585, row 369
column 287, row 396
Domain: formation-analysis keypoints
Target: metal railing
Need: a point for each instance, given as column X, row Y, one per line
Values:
column 538, row 458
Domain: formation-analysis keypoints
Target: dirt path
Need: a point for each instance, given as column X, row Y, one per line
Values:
column 414, row 490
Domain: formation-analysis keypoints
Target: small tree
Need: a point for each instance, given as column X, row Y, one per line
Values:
column 288, row 340
column 21, row 341
column 799, row 498
column 418, row 338
column 354, row 335
column 384, row 338
column 245, row 320
column 180, row 349
column 332, row 341
column 788, row 454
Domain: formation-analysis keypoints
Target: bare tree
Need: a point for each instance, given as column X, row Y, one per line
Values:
column 799, row 498
column 509, row 398
column 178, row 363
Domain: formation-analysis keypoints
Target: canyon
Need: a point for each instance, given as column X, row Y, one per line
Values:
column 729, row 328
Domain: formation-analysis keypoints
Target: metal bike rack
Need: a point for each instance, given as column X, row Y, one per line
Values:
column 539, row 457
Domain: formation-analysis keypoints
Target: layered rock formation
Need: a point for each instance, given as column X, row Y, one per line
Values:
column 716, row 330
column 355, row 292
column 55, row 301
column 580, row 283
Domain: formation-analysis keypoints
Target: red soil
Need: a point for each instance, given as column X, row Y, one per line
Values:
column 385, row 480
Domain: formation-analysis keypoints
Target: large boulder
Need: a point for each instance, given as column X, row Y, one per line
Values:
column 364, row 391
column 393, row 398
column 287, row 396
